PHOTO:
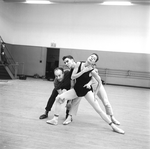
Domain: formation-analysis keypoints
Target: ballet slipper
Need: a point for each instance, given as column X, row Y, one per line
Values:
column 116, row 122
column 116, row 129
column 52, row 121
column 68, row 120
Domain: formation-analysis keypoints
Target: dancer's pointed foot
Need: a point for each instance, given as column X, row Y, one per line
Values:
column 68, row 120
column 116, row 129
column 116, row 122
column 52, row 121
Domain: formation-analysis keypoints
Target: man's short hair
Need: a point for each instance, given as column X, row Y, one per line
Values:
column 67, row 56
column 59, row 68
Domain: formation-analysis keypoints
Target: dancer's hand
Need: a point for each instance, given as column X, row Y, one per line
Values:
column 64, row 90
column 88, row 85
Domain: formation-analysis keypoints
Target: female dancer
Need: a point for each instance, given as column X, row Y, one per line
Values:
column 101, row 95
column 83, row 73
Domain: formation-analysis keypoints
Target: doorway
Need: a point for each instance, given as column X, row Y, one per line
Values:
column 52, row 61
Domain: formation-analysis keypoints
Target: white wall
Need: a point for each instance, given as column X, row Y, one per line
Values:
column 6, row 22
column 117, row 63
column 120, row 35
column 84, row 26
column 112, row 60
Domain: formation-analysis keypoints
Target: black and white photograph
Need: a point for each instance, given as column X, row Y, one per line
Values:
column 74, row 74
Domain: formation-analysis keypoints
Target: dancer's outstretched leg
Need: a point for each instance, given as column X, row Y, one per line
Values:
column 94, row 103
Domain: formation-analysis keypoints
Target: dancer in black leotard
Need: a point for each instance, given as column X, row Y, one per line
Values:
column 86, row 72
column 81, row 81
column 101, row 95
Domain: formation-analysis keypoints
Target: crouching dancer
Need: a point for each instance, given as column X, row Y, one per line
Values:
column 62, row 83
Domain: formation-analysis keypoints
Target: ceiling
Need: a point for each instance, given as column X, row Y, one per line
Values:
column 142, row 2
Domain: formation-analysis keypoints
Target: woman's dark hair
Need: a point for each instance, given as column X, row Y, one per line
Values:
column 96, row 56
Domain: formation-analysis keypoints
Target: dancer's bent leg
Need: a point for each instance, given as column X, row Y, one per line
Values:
column 104, row 98
column 73, row 110
column 74, row 106
column 68, row 95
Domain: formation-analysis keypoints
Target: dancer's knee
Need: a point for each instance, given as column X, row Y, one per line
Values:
column 107, row 105
column 109, row 110
column 60, row 100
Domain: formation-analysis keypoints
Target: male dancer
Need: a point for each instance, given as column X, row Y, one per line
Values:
column 102, row 95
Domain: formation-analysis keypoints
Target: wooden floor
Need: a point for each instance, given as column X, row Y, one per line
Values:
column 23, row 101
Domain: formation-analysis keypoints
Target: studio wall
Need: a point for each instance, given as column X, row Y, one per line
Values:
column 78, row 26
column 120, row 35
column 131, row 69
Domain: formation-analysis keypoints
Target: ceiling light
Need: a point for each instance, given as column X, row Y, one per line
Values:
column 117, row 3
column 38, row 2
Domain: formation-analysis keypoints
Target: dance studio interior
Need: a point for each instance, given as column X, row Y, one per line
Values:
column 34, row 37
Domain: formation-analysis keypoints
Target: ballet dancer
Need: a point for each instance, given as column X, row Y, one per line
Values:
column 102, row 95
column 83, row 72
